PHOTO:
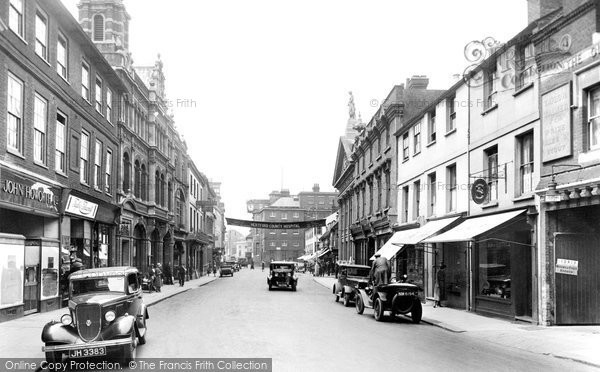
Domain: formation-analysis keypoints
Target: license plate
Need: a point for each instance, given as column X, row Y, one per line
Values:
column 87, row 353
column 407, row 294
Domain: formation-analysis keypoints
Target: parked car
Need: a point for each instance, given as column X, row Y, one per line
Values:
column 234, row 265
column 397, row 298
column 226, row 269
column 107, row 317
column 350, row 278
column 282, row 274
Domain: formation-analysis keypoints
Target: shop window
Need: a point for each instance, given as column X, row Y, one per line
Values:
column 495, row 269
column 593, row 129
column 525, row 144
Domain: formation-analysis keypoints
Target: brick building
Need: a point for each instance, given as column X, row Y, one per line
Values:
column 58, row 153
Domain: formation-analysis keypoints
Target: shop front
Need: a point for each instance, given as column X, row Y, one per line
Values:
column 29, row 245
column 497, row 249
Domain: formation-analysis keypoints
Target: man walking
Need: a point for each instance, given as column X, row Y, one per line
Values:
column 181, row 275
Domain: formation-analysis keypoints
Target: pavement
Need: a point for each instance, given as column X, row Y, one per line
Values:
column 30, row 326
column 576, row 343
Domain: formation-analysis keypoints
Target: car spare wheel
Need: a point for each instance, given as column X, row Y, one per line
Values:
column 360, row 306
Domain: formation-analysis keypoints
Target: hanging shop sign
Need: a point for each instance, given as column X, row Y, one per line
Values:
column 25, row 192
column 479, row 191
column 569, row 267
column 81, row 207
column 276, row 225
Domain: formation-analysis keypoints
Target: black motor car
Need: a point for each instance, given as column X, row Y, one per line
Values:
column 225, row 269
column 107, row 317
column 397, row 298
column 282, row 274
column 350, row 278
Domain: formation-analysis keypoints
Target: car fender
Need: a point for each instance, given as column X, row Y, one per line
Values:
column 142, row 315
column 57, row 332
column 122, row 326
column 363, row 294
column 383, row 296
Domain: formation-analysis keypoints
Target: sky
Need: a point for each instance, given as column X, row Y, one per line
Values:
column 266, row 81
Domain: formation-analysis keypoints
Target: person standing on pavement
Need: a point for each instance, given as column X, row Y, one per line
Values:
column 439, row 290
column 263, row 265
column 158, row 277
column 181, row 275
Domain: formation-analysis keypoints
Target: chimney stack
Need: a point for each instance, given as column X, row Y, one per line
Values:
column 537, row 9
column 316, row 187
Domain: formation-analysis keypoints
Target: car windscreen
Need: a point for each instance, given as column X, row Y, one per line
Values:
column 281, row 267
column 94, row 285
column 358, row 271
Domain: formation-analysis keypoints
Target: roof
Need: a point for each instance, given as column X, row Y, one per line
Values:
column 282, row 262
column 286, row 202
column 103, row 271
column 356, row 266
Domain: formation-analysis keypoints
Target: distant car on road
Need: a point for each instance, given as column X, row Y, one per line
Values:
column 282, row 274
column 106, row 316
column 234, row 265
column 350, row 278
column 226, row 269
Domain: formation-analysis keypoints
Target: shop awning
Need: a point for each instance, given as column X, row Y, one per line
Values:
column 473, row 227
column 323, row 252
column 412, row 236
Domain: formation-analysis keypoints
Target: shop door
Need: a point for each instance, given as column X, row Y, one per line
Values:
column 577, row 259
column 32, row 280
column 455, row 287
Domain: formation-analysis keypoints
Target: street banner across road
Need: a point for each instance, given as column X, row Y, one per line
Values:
column 276, row 225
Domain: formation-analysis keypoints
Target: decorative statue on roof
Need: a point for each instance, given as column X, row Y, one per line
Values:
column 351, row 106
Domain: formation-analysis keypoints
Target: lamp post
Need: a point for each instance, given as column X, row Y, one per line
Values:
column 552, row 195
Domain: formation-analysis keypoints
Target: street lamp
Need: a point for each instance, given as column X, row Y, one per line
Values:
column 552, row 195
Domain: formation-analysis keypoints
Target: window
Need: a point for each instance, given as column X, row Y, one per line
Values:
column 432, row 194
column 378, row 145
column 371, row 197
column 84, row 149
column 526, row 163
column 284, row 232
column 61, row 56
column 405, row 192
column 387, row 189
column 451, row 121
column 491, row 159
column 417, row 137
column 109, row 105
column 98, row 95
column 15, row 17
column 405, row 148
column 126, row 173
column 594, row 119
column 41, row 35
column 364, row 201
column 15, row 113
column 272, row 244
column 451, row 188
column 489, row 86
column 85, row 81
column 387, row 135
column 296, row 232
column 432, row 127
column 98, row 27
column 284, row 243
column 296, row 215
column 272, row 215
column 370, row 154
column 40, row 115
column 417, row 201
column 60, row 158
column 321, row 200
column 284, row 216
column 524, row 65
column 97, row 164
column 108, row 173
column 379, row 181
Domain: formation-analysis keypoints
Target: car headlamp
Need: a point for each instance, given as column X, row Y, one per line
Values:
column 289, row 274
column 109, row 316
column 66, row 319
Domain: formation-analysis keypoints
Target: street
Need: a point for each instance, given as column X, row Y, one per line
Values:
column 237, row 317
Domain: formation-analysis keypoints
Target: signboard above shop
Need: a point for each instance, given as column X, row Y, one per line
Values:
column 81, row 207
column 26, row 192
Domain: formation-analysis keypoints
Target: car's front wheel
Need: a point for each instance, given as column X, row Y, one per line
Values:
column 53, row 358
column 378, row 310
column 360, row 306
column 129, row 351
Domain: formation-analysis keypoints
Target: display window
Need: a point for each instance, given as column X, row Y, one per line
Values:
column 50, row 263
column 11, row 278
column 495, row 269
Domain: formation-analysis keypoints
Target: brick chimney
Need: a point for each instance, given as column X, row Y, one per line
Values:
column 417, row 82
column 537, row 9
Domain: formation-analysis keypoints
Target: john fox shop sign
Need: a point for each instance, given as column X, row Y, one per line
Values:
column 24, row 192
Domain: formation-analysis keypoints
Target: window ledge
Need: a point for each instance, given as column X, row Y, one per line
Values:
column 19, row 36
column 528, row 196
column 64, row 78
column 416, row 153
column 489, row 109
column 405, row 160
column 43, row 59
column 15, row 153
column 40, row 164
column 450, row 132
column 523, row 89
column 370, row 165
column 378, row 157
column 490, row 205
column 62, row 174
column 431, row 143
column 363, row 171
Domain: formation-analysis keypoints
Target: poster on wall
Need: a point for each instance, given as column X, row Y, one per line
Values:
column 11, row 278
column 556, row 123
column 50, row 262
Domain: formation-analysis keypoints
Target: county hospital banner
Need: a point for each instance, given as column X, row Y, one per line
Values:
column 276, row 225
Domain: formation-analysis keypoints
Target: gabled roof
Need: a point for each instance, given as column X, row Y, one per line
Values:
column 286, row 202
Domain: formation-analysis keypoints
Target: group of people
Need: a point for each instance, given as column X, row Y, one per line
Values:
column 325, row 268
column 156, row 276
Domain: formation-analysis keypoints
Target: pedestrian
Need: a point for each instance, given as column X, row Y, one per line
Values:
column 168, row 274
column 380, row 271
column 214, row 269
column 181, row 275
column 336, row 269
column 263, row 265
column 158, row 277
column 439, row 289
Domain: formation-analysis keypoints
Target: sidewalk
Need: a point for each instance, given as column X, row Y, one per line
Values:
column 577, row 343
column 30, row 327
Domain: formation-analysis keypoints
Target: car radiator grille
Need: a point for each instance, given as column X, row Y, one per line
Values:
column 89, row 321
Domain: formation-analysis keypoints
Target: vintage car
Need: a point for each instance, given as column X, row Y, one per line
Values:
column 397, row 298
column 350, row 277
column 282, row 274
column 107, row 317
column 226, row 269
column 234, row 265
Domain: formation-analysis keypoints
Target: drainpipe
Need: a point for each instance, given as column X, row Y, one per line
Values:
column 469, row 244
